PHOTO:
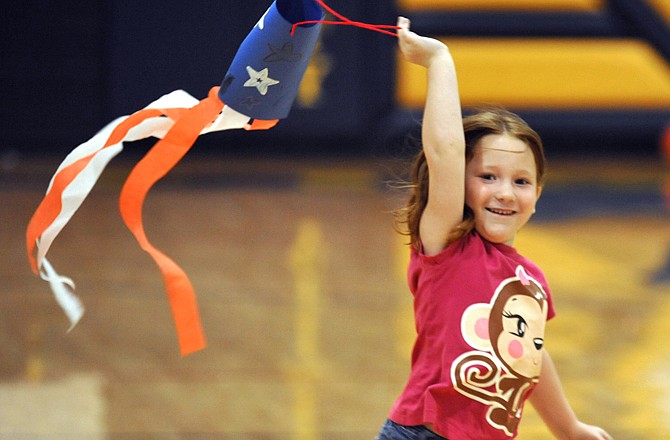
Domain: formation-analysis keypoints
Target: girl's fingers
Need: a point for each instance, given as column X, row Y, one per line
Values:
column 403, row 23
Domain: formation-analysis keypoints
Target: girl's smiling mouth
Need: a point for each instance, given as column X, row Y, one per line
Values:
column 504, row 212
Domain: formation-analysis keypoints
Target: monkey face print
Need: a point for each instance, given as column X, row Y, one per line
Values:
column 507, row 336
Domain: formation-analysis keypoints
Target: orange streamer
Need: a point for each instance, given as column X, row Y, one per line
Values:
column 165, row 154
column 51, row 205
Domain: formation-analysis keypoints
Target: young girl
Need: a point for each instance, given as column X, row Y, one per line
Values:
column 480, row 307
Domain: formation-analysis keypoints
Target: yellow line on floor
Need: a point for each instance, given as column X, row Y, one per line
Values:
column 305, row 260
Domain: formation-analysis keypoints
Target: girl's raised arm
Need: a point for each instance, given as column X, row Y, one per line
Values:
column 442, row 137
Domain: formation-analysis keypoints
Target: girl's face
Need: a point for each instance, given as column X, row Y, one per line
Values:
column 501, row 187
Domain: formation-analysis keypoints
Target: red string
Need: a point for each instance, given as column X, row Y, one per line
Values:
column 345, row 21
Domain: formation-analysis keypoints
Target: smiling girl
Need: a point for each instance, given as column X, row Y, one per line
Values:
column 480, row 306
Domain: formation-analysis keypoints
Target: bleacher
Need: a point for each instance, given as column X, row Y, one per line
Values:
column 588, row 74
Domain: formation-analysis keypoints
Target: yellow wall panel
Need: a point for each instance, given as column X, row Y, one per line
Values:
column 662, row 6
column 549, row 73
column 578, row 5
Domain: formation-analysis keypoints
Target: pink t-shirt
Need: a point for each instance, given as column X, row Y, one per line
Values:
column 480, row 311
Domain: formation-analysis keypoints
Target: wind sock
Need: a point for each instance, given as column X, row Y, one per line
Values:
column 258, row 90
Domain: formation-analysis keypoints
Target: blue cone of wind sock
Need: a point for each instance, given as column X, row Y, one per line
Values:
column 263, row 79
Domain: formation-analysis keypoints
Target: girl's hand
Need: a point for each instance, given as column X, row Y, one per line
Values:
column 417, row 49
column 588, row 432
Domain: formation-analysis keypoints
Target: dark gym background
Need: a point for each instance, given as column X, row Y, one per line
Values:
column 70, row 67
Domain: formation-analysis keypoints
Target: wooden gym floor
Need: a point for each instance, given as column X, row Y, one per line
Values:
column 300, row 281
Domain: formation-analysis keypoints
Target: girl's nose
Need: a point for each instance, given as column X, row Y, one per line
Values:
column 505, row 192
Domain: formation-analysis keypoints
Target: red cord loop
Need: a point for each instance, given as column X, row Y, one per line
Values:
column 345, row 21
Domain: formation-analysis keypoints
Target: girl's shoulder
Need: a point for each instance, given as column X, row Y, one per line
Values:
column 473, row 249
column 470, row 245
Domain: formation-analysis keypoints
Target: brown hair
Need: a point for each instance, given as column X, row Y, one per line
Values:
column 484, row 122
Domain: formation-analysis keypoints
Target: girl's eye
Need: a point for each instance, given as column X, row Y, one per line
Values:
column 522, row 182
column 488, row 177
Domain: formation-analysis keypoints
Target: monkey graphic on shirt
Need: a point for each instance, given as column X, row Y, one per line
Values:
column 507, row 335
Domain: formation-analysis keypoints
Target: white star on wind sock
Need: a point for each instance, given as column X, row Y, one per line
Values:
column 260, row 80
